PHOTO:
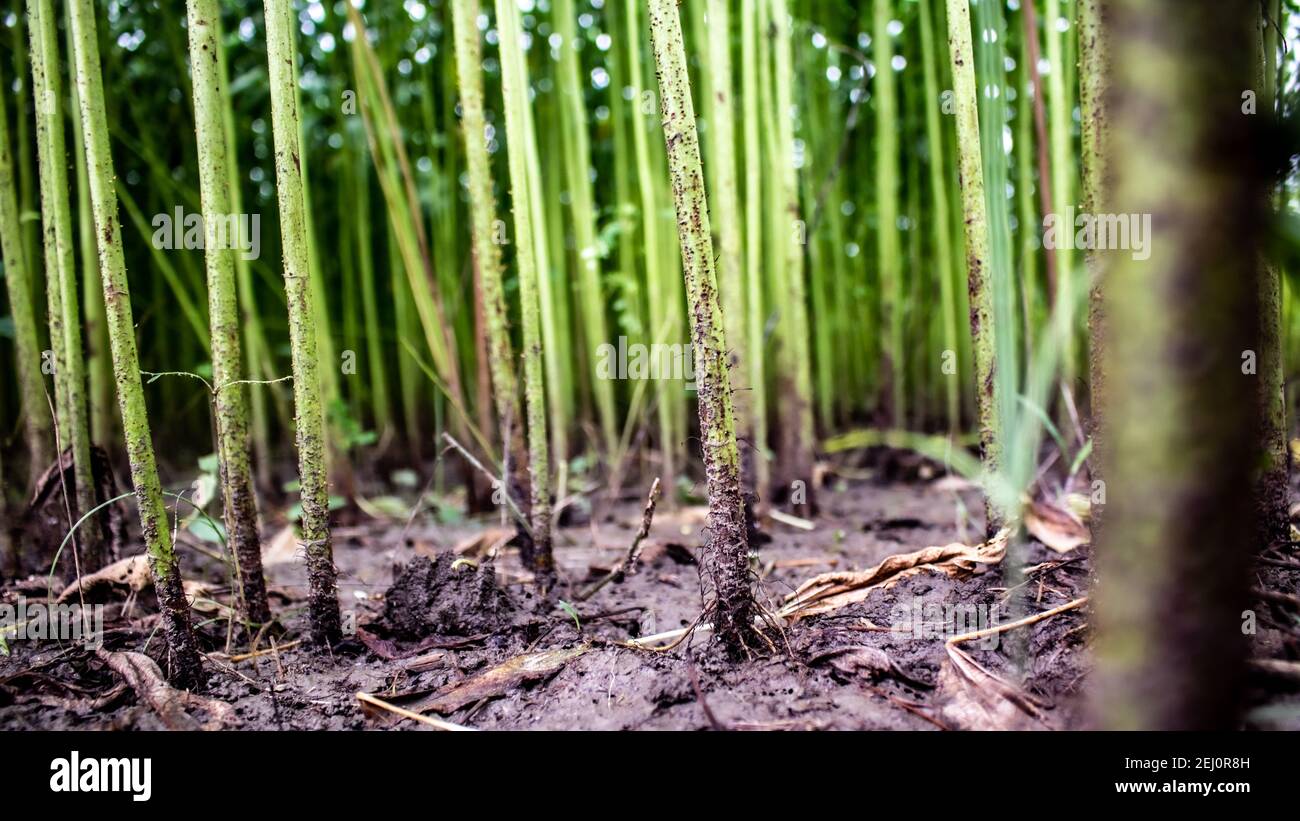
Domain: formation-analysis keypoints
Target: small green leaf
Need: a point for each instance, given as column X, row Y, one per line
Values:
column 573, row 613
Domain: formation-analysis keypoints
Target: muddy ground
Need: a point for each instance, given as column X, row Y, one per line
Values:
column 463, row 605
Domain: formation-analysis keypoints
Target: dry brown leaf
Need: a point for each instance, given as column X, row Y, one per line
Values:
column 130, row 574
column 484, row 543
column 1055, row 527
column 973, row 698
column 173, row 706
column 498, row 680
column 282, row 549
column 831, row 591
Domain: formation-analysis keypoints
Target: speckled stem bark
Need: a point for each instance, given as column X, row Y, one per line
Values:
column 487, row 255
column 1093, row 72
column 975, row 215
column 230, row 401
column 308, row 412
column 61, row 274
column 726, row 553
column 515, row 94
column 184, row 669
column 1184, row 445
column 1273, row 480
column 37, row 425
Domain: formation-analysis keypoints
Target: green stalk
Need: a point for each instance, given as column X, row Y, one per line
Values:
column 487, row 256
column 184, row 669
column 37, row 425
column 1273, row 479
column 726, row 552
column 514, row 90
column 573, row 118
column 282, row 57
column 940, row 217
column 1093, row 68
column 975, row 219
column 754, row 306
column 888, row 257
column 796, row 369
column 661, row 312
column 257, row 350
column 230, row 397
column 1059, row 124
column 1183, row 444
column 98, row 365
column 726, row 199
column 61, row 278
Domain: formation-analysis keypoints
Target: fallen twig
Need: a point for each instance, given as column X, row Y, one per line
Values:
column 633, row 552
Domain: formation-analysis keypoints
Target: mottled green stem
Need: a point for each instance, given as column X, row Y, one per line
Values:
column 515, row 93
column 282, row 55
column 230, row 400
column 184, row 669
column 971, row 175
column 1173, row 558
column 726, row 553
column 61, row 274
column 487, row 256
column 37, row 425
column 888, row 256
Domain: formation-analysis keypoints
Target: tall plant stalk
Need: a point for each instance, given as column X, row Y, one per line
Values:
column 184, row 669
column 64, row 299
column 577, row 164
column 37, row 425
column 282, row 56
column 941, row 217
column 514, row 90
column 230, row 400
column 796, row 362
column 754, row 305
column 975, row 219
column 888, row 255
column 487, row 256
column 727, row 549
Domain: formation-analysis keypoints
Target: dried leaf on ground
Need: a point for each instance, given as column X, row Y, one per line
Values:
column 484, row 543
column 973, row 698
column 129, row 575
column 831, row 591
column 499, row 680
column 174, row 707
column 282, row 549
column 1056, row 527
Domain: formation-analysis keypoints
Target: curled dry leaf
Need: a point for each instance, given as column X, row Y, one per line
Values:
column 498, row 680
column 1056, row 527
column 484, row 543
column 130, row 575
column 974, row 698
column 174, row 707
column 282, row 549
column 831, row 591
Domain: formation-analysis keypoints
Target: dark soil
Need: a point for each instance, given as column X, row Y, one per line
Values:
column 426, row 607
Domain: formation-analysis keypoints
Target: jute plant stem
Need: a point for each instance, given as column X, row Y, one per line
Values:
column 37, row 423
column 64, row 298
column 515, row 92
column 184, row 669
column 974, row 211
column 487, row 255
column 282, row 55
column 230, row 403
column 726, row 554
